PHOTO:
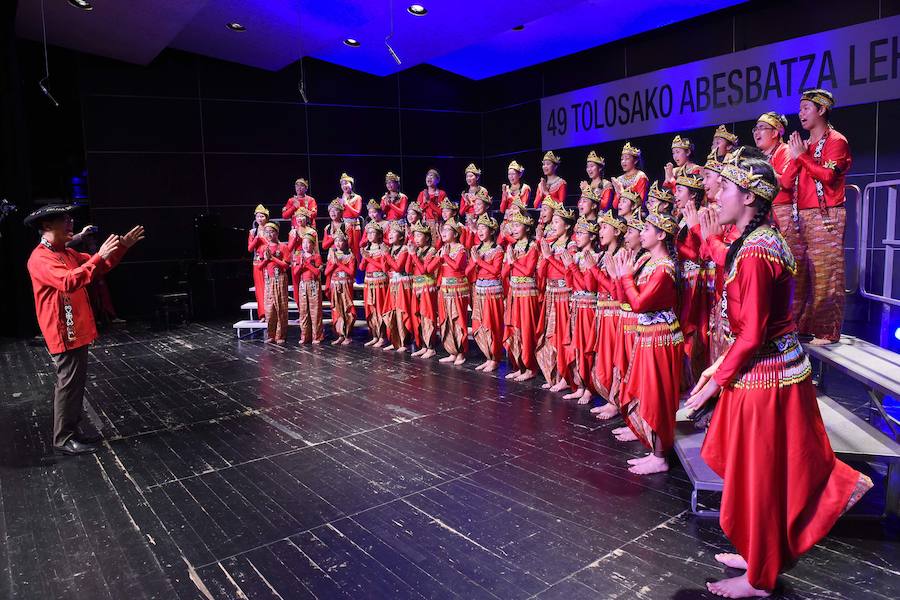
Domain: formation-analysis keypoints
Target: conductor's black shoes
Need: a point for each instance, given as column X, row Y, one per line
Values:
column 73, row 447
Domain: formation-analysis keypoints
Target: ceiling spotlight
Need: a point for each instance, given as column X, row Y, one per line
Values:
column 82, row 4
column 518, row 28
column 417, row 10
column 235, row 26
column 351, row 42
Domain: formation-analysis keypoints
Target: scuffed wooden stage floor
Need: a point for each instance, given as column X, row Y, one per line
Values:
column 239, row 470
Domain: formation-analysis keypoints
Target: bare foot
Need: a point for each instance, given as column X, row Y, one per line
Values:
column 370, row 342
column 734, row 561
column 303, row 340
column 637, row 461
column 559, row 386
column 736, row 587
column 572, row 395
column 346, row 342
column 512, row 374
column 607, row 411
column 279, row 342
column 316, row 342
column 401, row 349
column 817, row 341
column 337, row 341
column 448, row 359
column 379, row 343
column 387, row 348
column 460, row 359
column 270, row 341
column 546, row 386
column 585, row 397
column 491, row 366
column 620, row 430
column 655, row 464
column 528, row 374
column 628, row 436
column 429, row 353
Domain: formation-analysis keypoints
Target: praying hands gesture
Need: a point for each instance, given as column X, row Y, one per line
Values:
column 690, row 214
column 670, row 171
column 546, row 252
column 590, row 260
column 566, row 259
column 709, row 223
column 797, row 145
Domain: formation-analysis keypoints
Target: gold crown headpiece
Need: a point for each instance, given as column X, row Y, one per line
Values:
column 374, row 226
column 594, row 158
column 391, row 176
column 483, row 195
column 488, row 221
column 261, row 209
column 586, row 226
column 515, row 166
column 610, row 219
column 680, row 142
column 340, row 234
column 567, row 214
column 661, row 194
column 336, row 204
column 373, row 204
column 308, row 235
column 820, row 97
column 691, row 180
column 750, row 181
column 712, row 162
column 272, row 225
column 522, row 218
column 345, row 177
column 434, row 172
column 303, row 181
column 773, row 120
column 549, row 155
column 448, row 203
column 635, row 198
column 723, row 133
column 663, row 221
column 473, row 169
column 415, row 207
column 453, row 224
column 397, row 226
column 518, row 201
column 420, row 227
column 588, row 192
column 631, row 150
column 305, row 212
column 635, row 221
column 551, row 202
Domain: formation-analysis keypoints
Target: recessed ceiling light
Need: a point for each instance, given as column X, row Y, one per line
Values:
column 518, row 28
column 82, row 4
column 351, row 42
column 417, row 10
column 235, row 26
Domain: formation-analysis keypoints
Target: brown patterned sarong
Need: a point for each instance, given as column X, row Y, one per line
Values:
column 824, row 239
column 277, row 305
column 308, row 296
column 798, row 246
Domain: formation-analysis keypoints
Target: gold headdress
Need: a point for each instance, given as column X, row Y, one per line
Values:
column 345, row 177
column 820, row 97
column 309, row 235
column 712, row 163
column 473, row 169
column 551, row 202
column 434, row 172
column 340, row 234
column 750, row 181
column 487, row 220
column 594, row 158
column 390, row 176
column 609, row 218
column 373, row 204
column 588, row 192
column 397, row 226
column 680, row 142
column 305, row 212
column 374, row 226
column 420, row 227
column 484, row 196
column 632, row 150
column 586, row 226
column 448, row 203
column 414, row 206
column 522, row 218
column 663, row 221
column 636, row 221
column 773, row 120
column 261, row 209
column 453, row 224
column 272, row 225
column 567, row 214
column 303, row 181
column 663, row 195
column 723, row 133
column 691, row 180
column 518, row 201
column 551, row 157
column 515, row 167
column 635, row 198
column 336, row 204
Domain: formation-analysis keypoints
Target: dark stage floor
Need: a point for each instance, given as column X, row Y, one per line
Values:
column 239, row 470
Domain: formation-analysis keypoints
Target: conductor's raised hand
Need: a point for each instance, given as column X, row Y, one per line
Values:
column 133, row 237
column 108, row 247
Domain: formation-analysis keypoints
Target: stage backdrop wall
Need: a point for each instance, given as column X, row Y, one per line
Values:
column 189, row 139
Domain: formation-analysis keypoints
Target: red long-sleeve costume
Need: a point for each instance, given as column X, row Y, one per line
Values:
column 294, row 203
column 784, row 488
column 351, row 212
column 425, row 310
column 557, row 191
column 453, row 308
column 582, row 343
column 506, row 198
column 394, row 210
column 340, row 272
column 487, row 301
column 256, row 247
column 431, row 204
column 608, row 312
column 520, row 337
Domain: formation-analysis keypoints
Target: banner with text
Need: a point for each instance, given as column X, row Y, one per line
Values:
column 859, row 64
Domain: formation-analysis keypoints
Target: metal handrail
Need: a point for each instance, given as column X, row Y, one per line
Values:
column 889, row 243
column 854, row 272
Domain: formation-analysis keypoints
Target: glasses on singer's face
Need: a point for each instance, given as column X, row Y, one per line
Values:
column 760, row 128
